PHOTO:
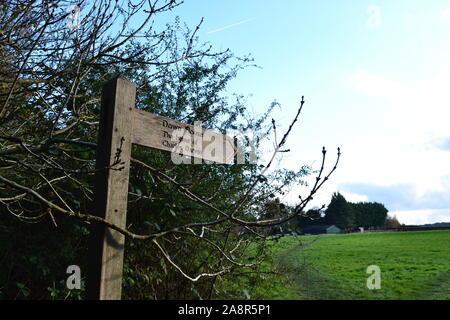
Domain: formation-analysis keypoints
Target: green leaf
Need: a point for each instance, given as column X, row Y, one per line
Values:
column 85, row 155
column 246, row 294
column 25, row 292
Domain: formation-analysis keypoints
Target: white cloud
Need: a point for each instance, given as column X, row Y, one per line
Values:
column 354, row 197
column 376, row 85
column 391, row 147
column 389, row 139
column 374, row 17
column 418, row 217
column 445, row 15
column 404, row 196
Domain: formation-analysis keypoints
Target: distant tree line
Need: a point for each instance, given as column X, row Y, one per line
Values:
column 339, row 212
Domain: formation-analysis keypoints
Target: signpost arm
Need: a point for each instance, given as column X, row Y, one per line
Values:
column 106, row 246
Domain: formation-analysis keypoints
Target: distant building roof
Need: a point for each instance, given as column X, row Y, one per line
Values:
column 318, row 228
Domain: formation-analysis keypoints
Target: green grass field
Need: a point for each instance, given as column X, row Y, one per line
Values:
column 414, row 265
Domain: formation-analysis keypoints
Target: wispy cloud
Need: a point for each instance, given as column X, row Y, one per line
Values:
column 230, row 26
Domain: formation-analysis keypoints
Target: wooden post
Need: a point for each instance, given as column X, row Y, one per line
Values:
column 106, row 246
column 121, row 125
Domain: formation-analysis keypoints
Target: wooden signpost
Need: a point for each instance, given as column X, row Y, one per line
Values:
column 151, row 130
column 122, row 125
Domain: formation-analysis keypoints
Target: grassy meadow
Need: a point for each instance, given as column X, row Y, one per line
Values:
column 414, row 265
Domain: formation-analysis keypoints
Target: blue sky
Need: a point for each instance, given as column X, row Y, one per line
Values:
column 375, row 75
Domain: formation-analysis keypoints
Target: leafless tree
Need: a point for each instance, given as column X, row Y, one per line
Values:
column 49, row 64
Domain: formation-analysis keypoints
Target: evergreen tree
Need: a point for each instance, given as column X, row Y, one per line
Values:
column 369, row 214
column 340, row 212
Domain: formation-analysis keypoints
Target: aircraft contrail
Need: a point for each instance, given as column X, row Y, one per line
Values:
column 230, row 26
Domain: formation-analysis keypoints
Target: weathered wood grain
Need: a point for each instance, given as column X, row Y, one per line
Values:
column 111, row 189
column 154, row 131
